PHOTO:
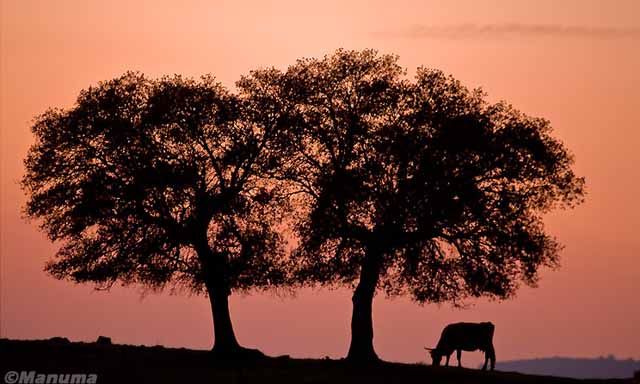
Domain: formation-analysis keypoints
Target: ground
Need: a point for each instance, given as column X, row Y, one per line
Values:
column 138, row 364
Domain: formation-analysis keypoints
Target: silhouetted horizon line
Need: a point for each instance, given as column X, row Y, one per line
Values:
column 609, row 356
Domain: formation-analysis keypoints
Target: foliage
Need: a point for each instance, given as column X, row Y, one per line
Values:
column 140, row 173
column 443, row 191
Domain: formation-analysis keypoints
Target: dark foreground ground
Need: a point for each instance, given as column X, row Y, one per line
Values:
column 134, row 364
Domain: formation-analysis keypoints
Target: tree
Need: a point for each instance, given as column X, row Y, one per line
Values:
column 158, row 182
column 420, row 188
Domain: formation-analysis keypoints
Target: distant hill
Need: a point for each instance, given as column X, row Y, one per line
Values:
column 113, row 363
column 603, row 367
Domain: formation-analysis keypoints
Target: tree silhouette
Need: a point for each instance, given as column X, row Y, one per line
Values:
column 158, row 182
column 420, row 188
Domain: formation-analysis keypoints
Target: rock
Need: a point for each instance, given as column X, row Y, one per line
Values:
column 59, row 340
column 103, row 340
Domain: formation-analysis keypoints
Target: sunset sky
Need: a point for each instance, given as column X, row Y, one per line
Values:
column 576, row 63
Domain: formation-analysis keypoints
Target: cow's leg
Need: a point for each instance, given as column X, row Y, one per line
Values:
column 459, row 355
column 447, row 363
column 492, row 356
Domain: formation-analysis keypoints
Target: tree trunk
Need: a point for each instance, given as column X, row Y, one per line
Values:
column 225, row 342
column 361, row 348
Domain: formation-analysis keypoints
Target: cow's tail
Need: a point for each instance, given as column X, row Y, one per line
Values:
column 492, row 329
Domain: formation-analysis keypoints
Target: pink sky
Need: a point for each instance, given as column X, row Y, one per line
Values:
column 572, row 62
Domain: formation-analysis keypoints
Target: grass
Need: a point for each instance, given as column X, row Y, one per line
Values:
column 138, row 364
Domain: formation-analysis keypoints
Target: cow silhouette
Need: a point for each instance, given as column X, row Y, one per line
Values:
column 465, row 337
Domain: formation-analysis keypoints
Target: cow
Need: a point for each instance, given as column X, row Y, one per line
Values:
column 465, row 337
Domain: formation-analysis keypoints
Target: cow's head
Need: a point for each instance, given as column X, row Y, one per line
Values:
column 436, row 355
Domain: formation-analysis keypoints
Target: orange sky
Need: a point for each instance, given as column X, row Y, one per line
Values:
column 573, row 62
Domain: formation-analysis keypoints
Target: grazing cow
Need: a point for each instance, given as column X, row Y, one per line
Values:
column 465, row 337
